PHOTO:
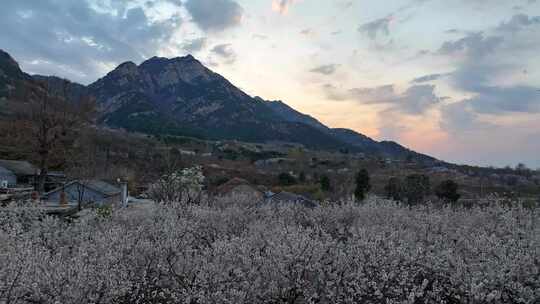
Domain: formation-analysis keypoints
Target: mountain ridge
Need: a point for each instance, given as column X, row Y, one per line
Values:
column 181, row 96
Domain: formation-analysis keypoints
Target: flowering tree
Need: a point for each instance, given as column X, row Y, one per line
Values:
column 377, row 252
column 182, row 186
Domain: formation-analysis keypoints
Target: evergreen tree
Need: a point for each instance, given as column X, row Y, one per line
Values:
column 448, row 190
column 394, row 189
column 416, row 188
column 362, row 184
column 325, row 183
column 302, row 177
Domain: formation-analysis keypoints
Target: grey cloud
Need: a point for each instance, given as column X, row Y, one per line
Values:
column 328, row 69
column 452, row 31
column 481, row 64
column 414, row 101
column 374, row 28
column 476, row 74
column 427, row 78
column 380, row 94
column 474, row 45
column 417, row 99
column 73, row 36
column 215, row 15
column 344, row 5
column 225, row 52
column 194, row 45
column 498, row 100
column 334, row 93
column 519, row 22
column 458, row 117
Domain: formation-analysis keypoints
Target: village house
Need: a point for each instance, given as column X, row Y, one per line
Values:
column 14, row 172
column 84, row 192
column 7, row 178
column 239, row 187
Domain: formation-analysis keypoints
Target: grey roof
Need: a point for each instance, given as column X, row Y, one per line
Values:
column 287, row 197
column 102, row 187
column 6, row 171
column 94, row 184
column 19, row 167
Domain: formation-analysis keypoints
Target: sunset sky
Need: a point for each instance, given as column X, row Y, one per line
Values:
column 459, row 80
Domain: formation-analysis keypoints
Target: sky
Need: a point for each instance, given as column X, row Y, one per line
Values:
column 458, row 80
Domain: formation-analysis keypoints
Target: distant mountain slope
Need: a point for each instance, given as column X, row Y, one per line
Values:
column 359, row 141
column 180, row 96
column 289, row 114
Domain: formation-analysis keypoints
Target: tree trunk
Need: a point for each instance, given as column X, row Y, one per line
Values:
column 43, row 171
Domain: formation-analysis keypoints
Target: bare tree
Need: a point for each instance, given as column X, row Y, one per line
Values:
column 51, row 121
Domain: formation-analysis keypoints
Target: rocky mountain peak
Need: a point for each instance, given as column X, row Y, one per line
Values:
column 8, row 66
column 126, row 68
column 173, row 71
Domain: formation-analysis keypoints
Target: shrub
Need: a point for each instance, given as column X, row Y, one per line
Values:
column 286, row 179
column 448, row 190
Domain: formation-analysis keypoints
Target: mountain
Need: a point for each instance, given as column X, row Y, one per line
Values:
column 359, row 141
column 289, row 114
column 12, row 79
column 180, row 96
column 63, row 87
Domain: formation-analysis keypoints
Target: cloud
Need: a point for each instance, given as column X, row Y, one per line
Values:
column 215, row 15
column 374, row 28
column 344, row 5
column 73, row 39
column 307, row 32
column 415, row 100
column 328, row 69
column 472, row 45
column 225, row 52
column 500, row 103
column 427, row 78
column 458, row 117
column 500, row 100
column 194, row 45
column 518, row 22
column 482, row 62
column 259, row 36
column 380, row 94
column 282, row 6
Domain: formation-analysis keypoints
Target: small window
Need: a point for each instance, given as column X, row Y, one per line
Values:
column 3, row 184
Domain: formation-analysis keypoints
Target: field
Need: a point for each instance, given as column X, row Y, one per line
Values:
column 377, row 252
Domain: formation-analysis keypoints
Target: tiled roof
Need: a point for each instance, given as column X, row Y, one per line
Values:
column 96, row 185
column 19, row 167
column 287, row 197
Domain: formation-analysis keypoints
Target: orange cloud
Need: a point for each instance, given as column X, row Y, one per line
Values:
column 282, row 6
